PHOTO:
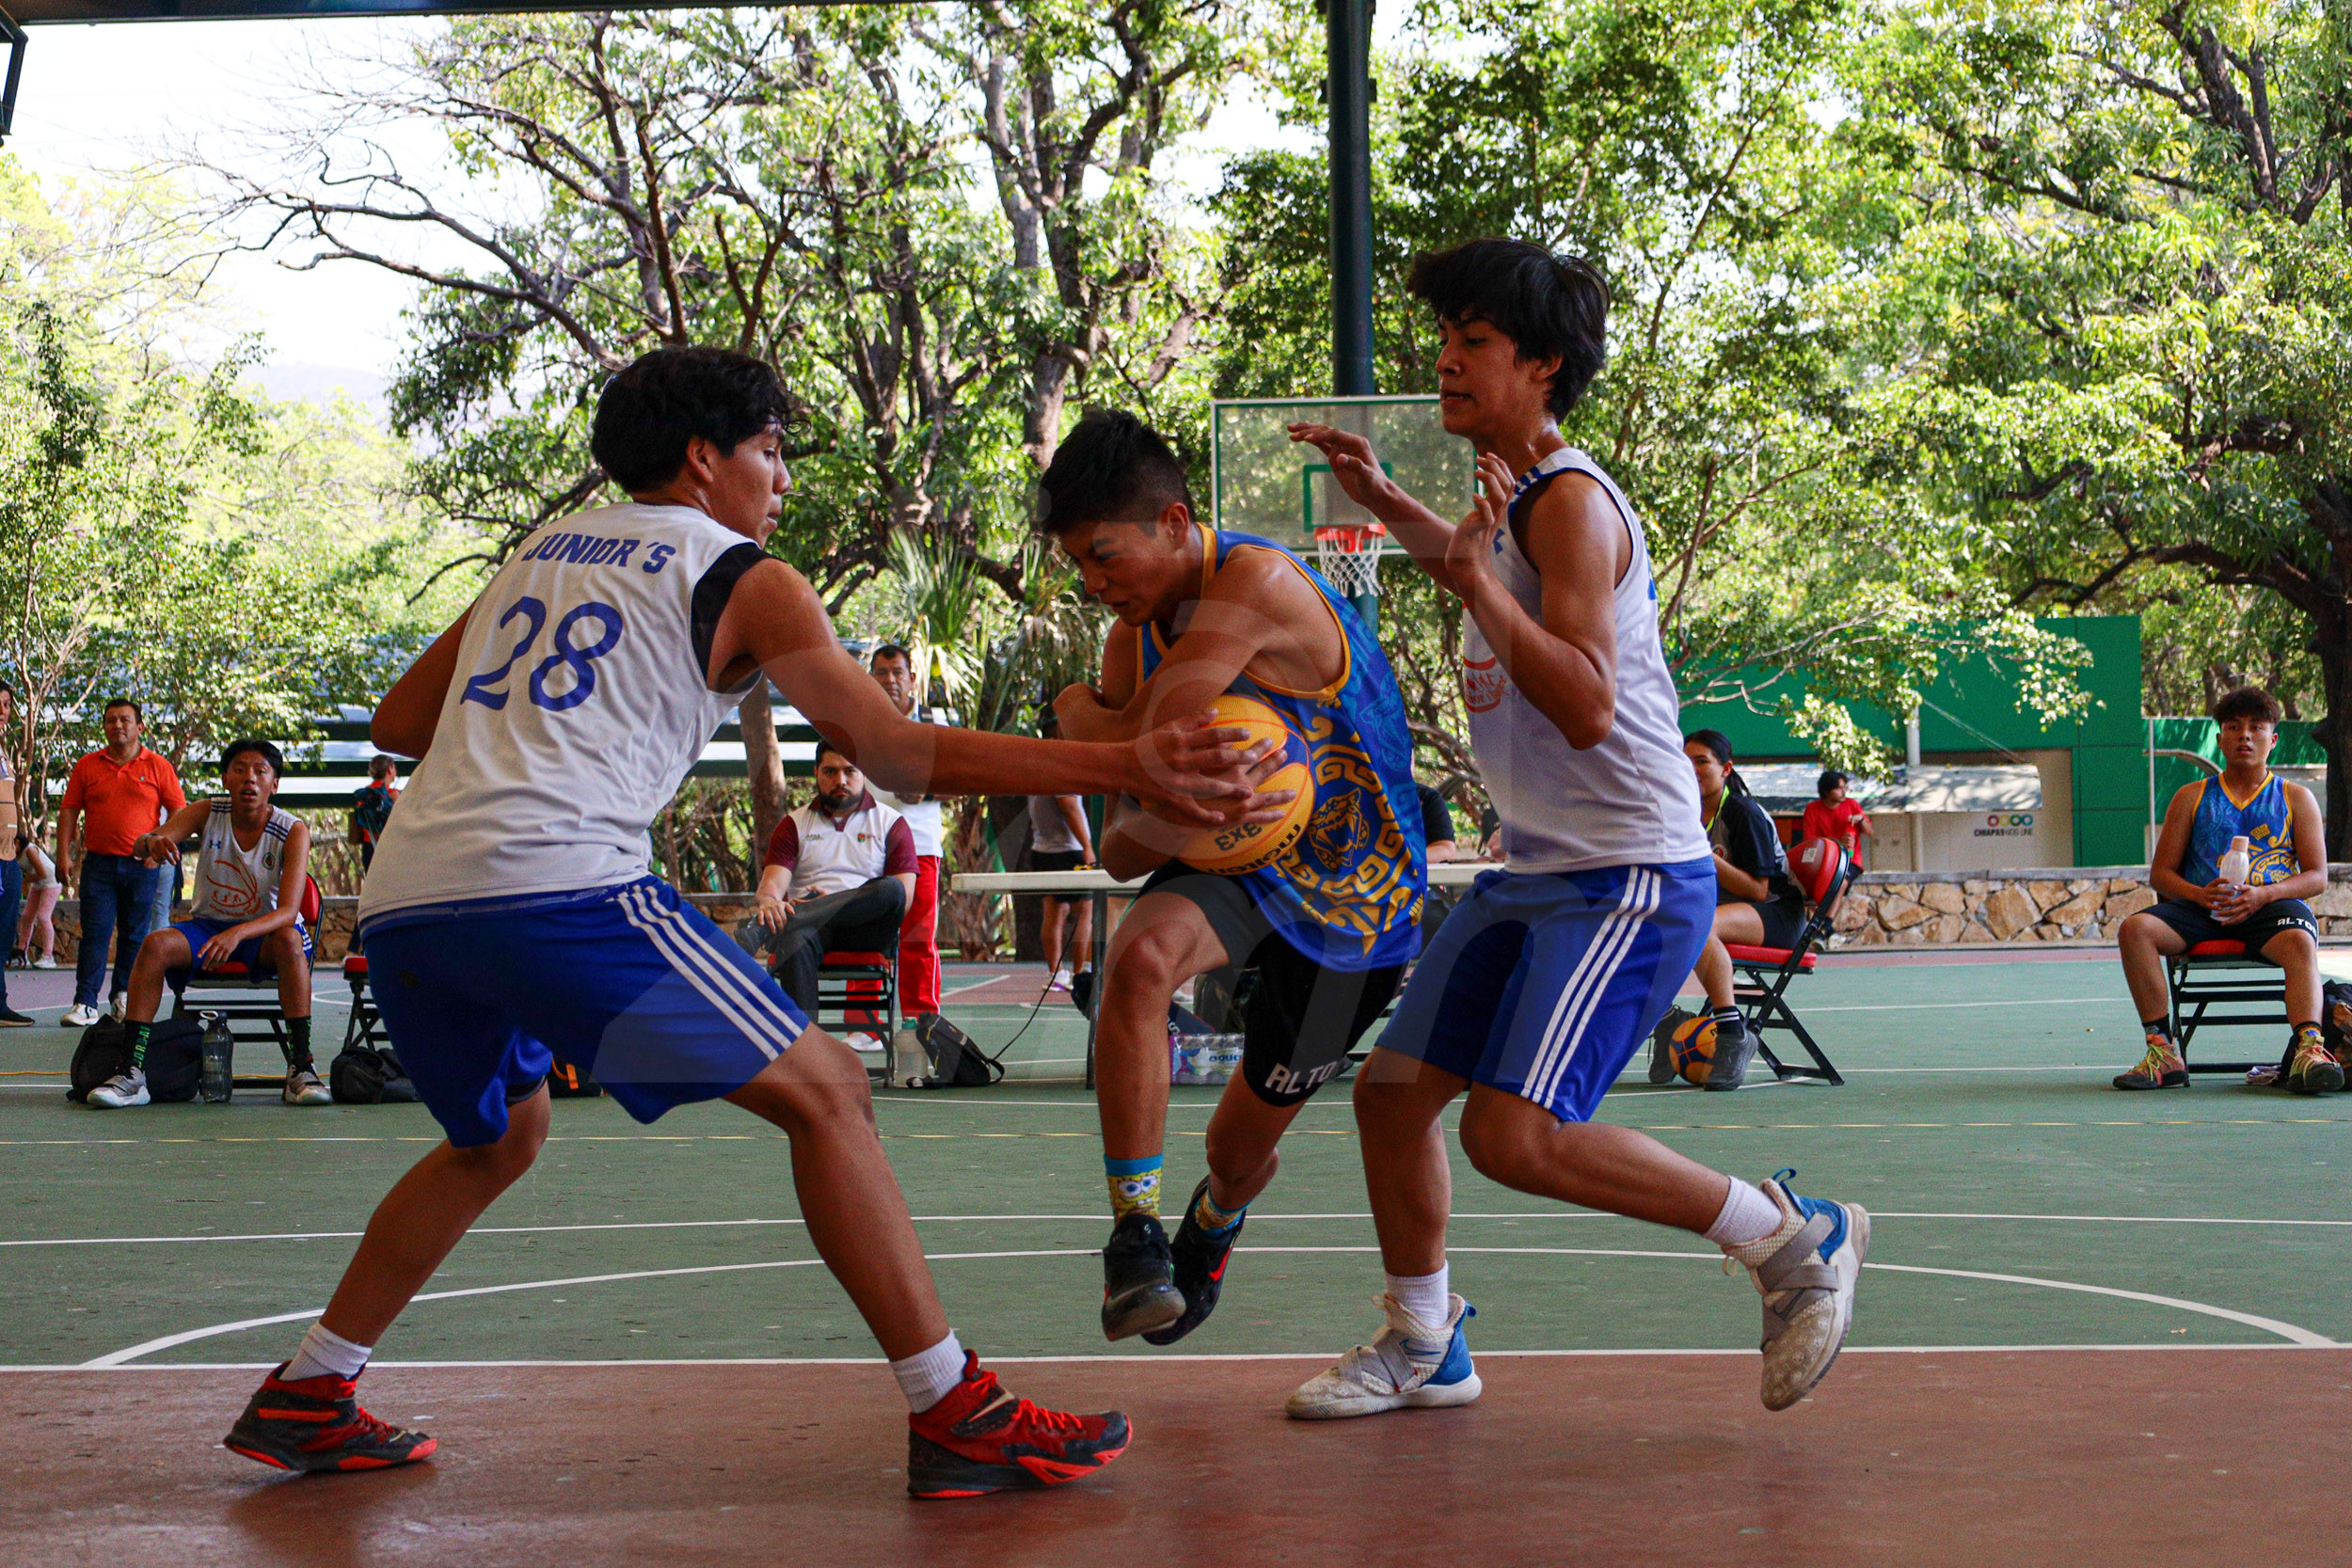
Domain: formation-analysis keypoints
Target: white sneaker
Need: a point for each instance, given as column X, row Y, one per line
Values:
column 304, row 1088
column 862, row 1041
column 80, row 1016
column 123, row 1090
column 120, row 1005
column 1412, row 1365
column 1805, row 1271
column 45, row 963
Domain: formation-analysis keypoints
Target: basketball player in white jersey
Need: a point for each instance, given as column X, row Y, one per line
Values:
column 1550, row 972
column 252, row 859
column 510, row 916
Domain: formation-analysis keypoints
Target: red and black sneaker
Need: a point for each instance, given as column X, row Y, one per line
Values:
column 980, row 1438
column 1197, row 1256
column 316, row 1424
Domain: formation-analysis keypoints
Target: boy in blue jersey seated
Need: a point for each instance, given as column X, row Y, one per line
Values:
column 1328, row 925
column 1550, row 972
column 2261, row 907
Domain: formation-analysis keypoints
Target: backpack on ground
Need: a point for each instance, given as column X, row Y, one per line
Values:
column 956, row 1061
column 369, row 1076
column 175, row 1059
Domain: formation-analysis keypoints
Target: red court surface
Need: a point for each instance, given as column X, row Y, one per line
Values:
column 2151, row 1457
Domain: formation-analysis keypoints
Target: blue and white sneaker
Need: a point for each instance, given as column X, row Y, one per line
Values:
column 1414, row 1365
column 1805, row 1271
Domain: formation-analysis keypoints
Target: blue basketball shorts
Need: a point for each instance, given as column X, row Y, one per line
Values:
column 631, row 984
column 1545, row 984
column 249, row 952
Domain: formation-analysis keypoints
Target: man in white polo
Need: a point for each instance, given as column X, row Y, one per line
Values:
column 893, row 668
column 835, row 878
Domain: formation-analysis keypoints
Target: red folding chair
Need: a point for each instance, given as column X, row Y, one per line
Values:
column 1761, row 976
column 366, row 1025
column 861, row 990
column 2219, row 972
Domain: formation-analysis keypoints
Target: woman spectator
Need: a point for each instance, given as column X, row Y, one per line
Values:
column 1757, row 902
column 36, row 933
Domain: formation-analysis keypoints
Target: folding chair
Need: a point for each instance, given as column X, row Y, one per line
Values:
column 366, row 1025
column 240, row 994
column 1824, row 872
column 2220, row 972
column 861, row 990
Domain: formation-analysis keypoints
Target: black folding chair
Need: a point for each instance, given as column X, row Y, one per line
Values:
column 2223, row 972
column 1761, row 976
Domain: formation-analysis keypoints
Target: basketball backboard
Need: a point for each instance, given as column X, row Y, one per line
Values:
column 1264, row 483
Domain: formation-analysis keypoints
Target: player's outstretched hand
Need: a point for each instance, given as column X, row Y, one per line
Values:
column 1261, row 806
column 1198, row 767
column 1353, row 464
column 1470, row 555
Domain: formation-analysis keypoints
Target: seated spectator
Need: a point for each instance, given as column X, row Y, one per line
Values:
column 835, row 880
column 252, row 859
column 37, row 931
column 1437, row 824
column 1757, row 904
column 1836, row 817
column 371, row 806
column 2278, row 827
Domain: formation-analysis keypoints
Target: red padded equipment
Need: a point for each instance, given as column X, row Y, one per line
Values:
column 1772, row 956
column 2220, row 947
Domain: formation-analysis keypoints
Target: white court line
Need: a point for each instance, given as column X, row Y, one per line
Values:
column 2265, row 1347
column 148, row 1347
column 1096, row 1218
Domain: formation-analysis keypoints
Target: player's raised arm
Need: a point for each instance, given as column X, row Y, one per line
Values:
column 774, row 619
column 1427, row 537
column 405, row 720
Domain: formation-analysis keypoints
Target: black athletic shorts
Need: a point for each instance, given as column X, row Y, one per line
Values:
column 1058, row 859
column 2195, row 922
column 1301, row 1019
column 1783, row 918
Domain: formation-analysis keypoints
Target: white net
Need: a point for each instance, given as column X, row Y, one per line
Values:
column 1349, row 556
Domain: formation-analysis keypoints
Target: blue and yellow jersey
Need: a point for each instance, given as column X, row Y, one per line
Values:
column 2262, row 819
column 1348, row 894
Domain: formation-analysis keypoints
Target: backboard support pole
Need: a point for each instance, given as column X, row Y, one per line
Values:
column 1349, row 91
column 14, row 36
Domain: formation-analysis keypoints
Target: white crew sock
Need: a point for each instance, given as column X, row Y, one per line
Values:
column 1748, row 1216
column 929, row 1376
column 323, row 1352
column 1425, row 1295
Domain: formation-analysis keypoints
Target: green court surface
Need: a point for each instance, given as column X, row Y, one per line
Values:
column 2020, row 1202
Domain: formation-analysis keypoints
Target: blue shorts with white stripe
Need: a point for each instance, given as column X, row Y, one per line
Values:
column 631, row 984
column 1544, row 984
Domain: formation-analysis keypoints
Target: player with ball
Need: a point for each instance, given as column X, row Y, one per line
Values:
column 1323, row 900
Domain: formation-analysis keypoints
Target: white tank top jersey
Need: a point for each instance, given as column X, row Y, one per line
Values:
column 232, row 883
column 835, row 857
column 923, row 816
column 579, row 703
column 1630, row 801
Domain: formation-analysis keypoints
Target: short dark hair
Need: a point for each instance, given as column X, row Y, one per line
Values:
column 1831, row 778
column 1110, row 468
column 383, row 766
column 2249, row 702
column 136, row 712
column 889, row 650
column 647, row 413
column 269, row 754
column 1547, row 304
column 824, row 746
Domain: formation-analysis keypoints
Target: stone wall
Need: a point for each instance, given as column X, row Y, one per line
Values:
column 2073, row 904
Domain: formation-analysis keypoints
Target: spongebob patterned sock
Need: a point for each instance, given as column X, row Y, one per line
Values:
column 1134, row 1186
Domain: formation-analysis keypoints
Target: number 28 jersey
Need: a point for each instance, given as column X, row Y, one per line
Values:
column 579, row 705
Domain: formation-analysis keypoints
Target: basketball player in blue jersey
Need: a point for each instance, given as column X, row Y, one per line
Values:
column 1546, row 976
column 510, row 917
column 2263, row 905
column 1327, row 926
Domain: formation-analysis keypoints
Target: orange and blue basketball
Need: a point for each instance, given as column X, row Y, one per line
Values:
column 1244, row 846
column 1692, row 1049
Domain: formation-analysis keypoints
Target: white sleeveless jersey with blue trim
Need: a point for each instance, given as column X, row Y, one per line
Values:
column 579, row 705
column 234, row 883
column 1630, row 801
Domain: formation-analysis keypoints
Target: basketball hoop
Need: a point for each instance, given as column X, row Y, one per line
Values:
column 1348, row 556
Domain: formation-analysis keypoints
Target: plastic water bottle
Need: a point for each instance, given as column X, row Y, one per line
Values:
column 218, row 1049
column 2238, row 864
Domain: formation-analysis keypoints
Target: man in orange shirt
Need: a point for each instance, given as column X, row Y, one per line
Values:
column 123, row 792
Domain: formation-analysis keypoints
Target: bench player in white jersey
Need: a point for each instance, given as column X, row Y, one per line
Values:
column 1550, row 972
column 510, row 917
